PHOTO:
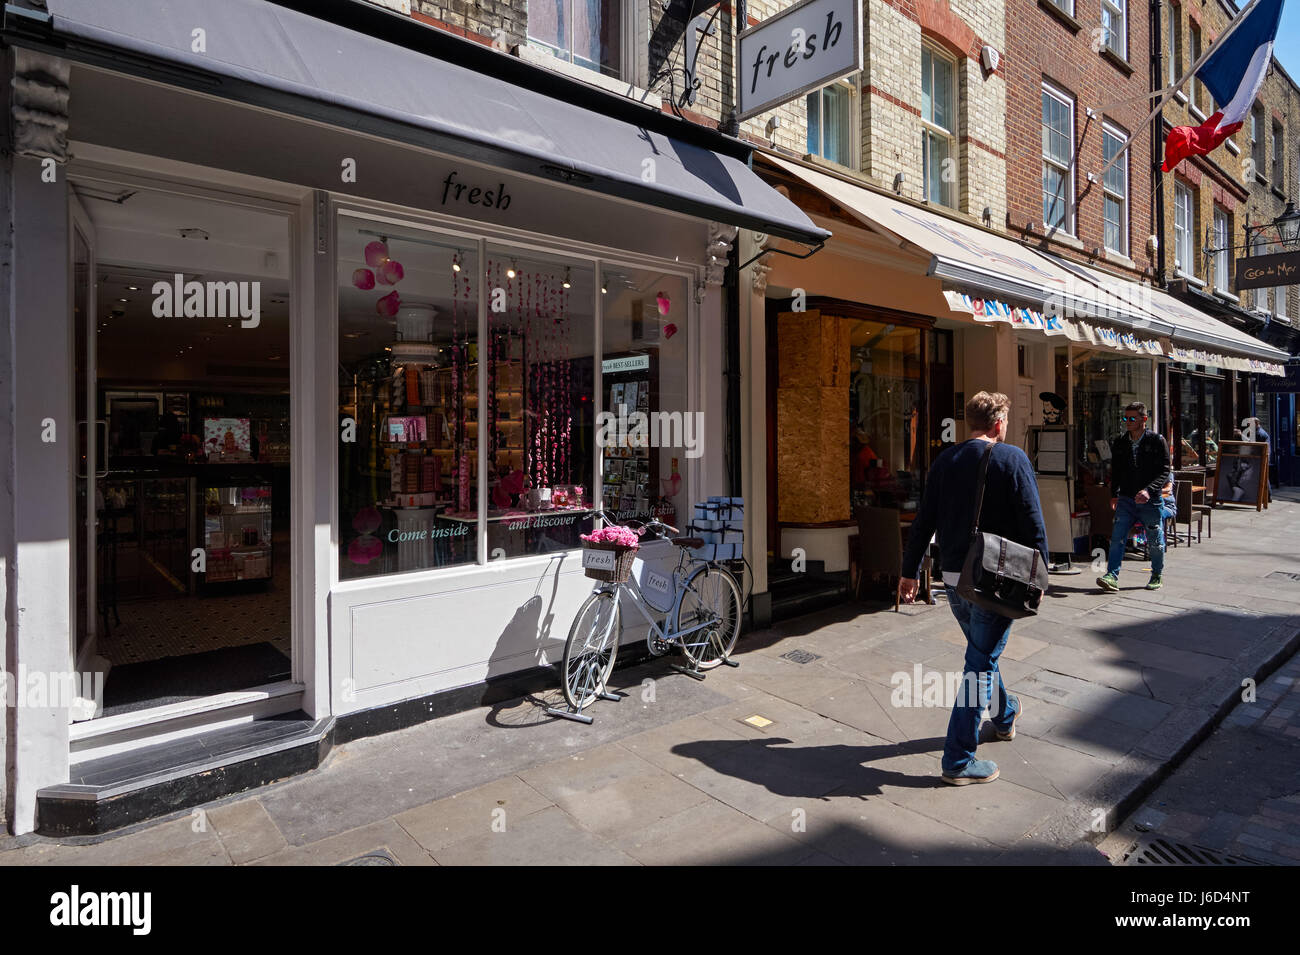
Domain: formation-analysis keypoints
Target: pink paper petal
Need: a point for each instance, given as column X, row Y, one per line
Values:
column 389, row 304
column 391, row 272
column 670, row 330
column 363, row 279
column 376, row 254
column 664, row 303
column 367, row 520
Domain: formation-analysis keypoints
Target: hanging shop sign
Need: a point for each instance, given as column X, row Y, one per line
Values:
column 799, row 50
column 1266, row 271
column 1289, row 382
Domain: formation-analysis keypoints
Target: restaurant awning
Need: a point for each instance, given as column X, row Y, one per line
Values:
column 991, row 277
column 267, row 55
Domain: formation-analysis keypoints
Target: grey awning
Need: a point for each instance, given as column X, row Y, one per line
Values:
column 268, row 55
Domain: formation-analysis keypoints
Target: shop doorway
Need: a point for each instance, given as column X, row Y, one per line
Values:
column 181, row 312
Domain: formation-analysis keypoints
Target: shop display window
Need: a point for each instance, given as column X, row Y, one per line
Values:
column 886, row 441
column 650, row 434
column 1103, row 385
column 447, row 341
column 408, row 387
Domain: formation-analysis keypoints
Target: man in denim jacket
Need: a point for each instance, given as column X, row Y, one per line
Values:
column 1140, row 469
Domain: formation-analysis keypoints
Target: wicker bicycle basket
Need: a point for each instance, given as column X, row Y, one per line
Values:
column 623, row 557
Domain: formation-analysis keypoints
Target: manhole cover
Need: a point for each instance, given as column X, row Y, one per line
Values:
column 1155, row 850
column 380, row 857
column 800, row 656
column 1283, row 575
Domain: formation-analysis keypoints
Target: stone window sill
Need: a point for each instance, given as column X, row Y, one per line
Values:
column 1070, row 22
column 1117, row 61
column 551, row 62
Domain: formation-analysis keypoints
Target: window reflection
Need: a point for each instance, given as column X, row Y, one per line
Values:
column 886, row 453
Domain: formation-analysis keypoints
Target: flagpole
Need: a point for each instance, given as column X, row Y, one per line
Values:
column 1171, row 90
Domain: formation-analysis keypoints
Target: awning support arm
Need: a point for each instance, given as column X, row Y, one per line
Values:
column 794, row 255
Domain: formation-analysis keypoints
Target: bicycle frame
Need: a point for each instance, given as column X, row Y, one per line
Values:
column 665, row 634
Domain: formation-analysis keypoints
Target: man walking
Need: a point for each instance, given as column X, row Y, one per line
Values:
column 1011, row 509
column 1139, row 471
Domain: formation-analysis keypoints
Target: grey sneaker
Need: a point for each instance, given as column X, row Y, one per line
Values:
column 1155, row 583
column 1010, row 734
column 1109, row 583
column 976, row 771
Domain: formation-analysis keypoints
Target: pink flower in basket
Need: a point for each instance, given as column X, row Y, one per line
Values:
column 614, row 534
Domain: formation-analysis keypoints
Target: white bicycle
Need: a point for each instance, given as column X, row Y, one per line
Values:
column 699, row 602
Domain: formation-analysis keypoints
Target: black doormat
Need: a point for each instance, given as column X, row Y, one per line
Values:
column 137, row 686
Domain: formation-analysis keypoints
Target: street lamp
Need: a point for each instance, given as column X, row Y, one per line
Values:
column 1288, row 224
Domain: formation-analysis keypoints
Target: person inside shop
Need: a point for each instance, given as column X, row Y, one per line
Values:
column 168, row 437
column 1140, row 470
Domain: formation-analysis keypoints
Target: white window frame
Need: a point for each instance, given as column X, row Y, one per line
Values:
column 1067, row 225
column 1067, row 6
column 1222, row 262
column 1183, row 199
column 1174, row 37
column 1122, row 163
column 1118, row 8
column 929, row 128
column 853, row 138
column 627, row 44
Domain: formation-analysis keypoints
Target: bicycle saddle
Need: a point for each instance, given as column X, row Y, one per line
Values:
column 694, row 543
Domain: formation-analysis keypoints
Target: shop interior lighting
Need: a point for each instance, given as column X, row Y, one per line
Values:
column 513, row 270
column 455, row 261
column 567, row 283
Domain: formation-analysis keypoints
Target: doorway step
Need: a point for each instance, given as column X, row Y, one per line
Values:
column 107, row 792
column 795, row 594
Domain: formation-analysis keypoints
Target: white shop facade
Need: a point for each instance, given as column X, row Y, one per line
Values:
column 325, row 382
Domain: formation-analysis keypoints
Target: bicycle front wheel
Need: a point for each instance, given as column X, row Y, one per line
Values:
column 591, row 648
column 711, row 598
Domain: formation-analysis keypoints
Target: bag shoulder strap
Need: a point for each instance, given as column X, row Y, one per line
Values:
column 979, row 490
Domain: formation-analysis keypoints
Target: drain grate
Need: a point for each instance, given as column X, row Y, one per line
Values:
column 800, row 656
column 378, row 857
column 1156, row 850
column 1283, row 575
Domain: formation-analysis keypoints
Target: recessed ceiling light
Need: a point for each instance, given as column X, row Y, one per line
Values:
column 124, row 300
column 133, row 288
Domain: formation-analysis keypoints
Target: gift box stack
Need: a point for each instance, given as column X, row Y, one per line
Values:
column 720, row 523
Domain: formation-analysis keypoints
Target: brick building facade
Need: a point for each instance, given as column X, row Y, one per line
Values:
column 1208, row 200
column 1065, row 70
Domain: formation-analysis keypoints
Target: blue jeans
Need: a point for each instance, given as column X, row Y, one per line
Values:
column 986, row 637
column 1127, row 513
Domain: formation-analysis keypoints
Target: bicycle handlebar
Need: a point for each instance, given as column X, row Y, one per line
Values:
column 602, row 513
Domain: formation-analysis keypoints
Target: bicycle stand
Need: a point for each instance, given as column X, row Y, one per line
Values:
column 578, row 716
column 695, row 674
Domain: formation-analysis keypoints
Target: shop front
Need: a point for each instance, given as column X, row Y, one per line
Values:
column 338, row 377
column 873, row 344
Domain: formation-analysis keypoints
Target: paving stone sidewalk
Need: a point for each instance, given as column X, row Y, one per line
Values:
column 1239, row 793
column 1118, row 689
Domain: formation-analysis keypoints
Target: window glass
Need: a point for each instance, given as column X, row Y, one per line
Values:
column 1278, row 156
column 538, row 422
column 647, row 433
column 1057, row 149
column 1183, row 228
column 1175, row 46
column 1103, row 384
column 886, row 437
column 587, row 33
column 1112, row 24
column 1198, row 90
column 1222, row 274
column 1116, row 193
column 830, row 123
column 936, row 138
column 408, row 343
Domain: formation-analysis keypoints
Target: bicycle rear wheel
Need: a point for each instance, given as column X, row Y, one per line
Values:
column 711, row 597
column 591, row 648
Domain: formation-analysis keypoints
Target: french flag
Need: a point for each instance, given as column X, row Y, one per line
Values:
column 1233, row 74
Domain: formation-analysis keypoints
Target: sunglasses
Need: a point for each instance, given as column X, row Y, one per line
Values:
column 1129, row 417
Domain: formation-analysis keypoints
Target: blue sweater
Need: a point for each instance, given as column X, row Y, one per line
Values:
column 1011, row 507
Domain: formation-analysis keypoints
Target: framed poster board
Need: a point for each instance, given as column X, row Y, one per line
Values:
column 1049, row 449
column 1242, row 473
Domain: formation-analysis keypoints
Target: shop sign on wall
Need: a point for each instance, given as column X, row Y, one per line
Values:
column 798, row 50
column 1266, row 271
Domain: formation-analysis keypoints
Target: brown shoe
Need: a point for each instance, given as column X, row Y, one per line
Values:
column 1010, row 734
